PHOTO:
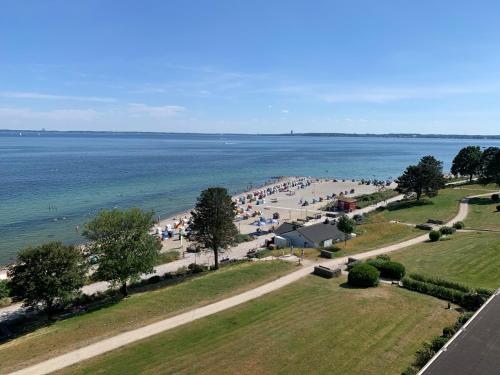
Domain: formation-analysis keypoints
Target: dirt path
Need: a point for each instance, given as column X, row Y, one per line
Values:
column 126, row 338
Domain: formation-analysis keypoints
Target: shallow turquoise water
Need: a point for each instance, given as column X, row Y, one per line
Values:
column 49, row 183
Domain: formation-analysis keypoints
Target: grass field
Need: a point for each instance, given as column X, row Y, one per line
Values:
column 313, row 326
column 137, row 310
column 483, row 214
column 470, row 258
column 443, row 207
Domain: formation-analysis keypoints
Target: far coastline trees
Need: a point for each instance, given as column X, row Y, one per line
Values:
column 424, row 178
column 467, row 162
column 122, row 246
column 48, row 276
column 213, row 221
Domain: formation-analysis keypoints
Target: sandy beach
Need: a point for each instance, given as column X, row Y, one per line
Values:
column 288, row 204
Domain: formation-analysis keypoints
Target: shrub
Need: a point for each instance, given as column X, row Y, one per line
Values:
column 363, row 275
column 435, row 221
column 383, row 257
column 459, row 225
column 154, row 279
column 447, row 230
column 196, row 268
column 333, row 248
column 498, row 208
column 473, row 301
column 449, row 331
column 423, row 355
column 434, row 235
column 495, row 197
column 438, row 342
column 410, row 371
column 4, row 289
column 392, row 270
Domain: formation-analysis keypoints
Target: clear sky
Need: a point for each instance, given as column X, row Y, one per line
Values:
column 251, row 66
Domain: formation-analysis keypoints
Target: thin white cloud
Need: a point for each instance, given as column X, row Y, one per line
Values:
column 284, row 111
column 53, row 115
column 140, row 109
column 42, row 96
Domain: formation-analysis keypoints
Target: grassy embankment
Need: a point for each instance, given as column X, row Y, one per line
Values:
column 483, row 214
column 138, row 310
column 442, row 207
column 313, row 326
column 470, row 258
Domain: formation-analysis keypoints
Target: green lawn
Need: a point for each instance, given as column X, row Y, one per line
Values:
column 313, row 326
column 483, row 214
column 443, row 207
column 137, row 310
column 470, row 258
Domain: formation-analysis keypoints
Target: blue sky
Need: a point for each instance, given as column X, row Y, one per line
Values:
column 251, row 66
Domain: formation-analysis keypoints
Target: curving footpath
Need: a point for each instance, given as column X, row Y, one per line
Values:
column 104, row 346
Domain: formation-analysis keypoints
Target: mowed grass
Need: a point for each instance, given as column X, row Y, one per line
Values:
column 483, row 214
column 314, row 326
column 443, row 207
column 469, row 258
column 137, row 310
column 376, row 233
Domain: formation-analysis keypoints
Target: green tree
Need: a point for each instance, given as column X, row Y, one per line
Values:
column 213, row 221
column 121, row 245
column 48, row 276
column 492, row 169
column 424, row 178
column 487, row 156
column 467, row 162
column 347, row 226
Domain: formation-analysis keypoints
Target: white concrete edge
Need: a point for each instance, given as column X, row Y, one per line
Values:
column 457, row 334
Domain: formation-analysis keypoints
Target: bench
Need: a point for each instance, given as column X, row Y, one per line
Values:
column 326, row 272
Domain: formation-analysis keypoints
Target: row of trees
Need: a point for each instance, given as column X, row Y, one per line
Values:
column 120, row 249
column 471, row 161
column 426, row 177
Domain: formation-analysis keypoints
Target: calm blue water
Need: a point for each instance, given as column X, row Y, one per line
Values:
column 51, row 183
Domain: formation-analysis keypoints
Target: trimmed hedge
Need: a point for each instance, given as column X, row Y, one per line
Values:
column 437, row 291
column 495, row 197
column 363, row 275
column 387, row 268
column 459, row 225
column 440, row 282
column 434, row 235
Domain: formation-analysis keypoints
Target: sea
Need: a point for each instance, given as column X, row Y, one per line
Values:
column 52, row 183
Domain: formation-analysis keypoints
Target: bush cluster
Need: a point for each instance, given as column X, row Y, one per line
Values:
column 423, row 226
column 387, row 268
column 363, row 275
column 197, row 268
column 459, row 225
column 441, row 282
column 447, row 230
column 434, row 235
column 495, row 198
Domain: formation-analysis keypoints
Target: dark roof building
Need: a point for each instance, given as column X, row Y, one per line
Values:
column 475, row 349
column 285, row 228
column 318, row 233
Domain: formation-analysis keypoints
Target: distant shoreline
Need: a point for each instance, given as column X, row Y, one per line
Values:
column 16, row 132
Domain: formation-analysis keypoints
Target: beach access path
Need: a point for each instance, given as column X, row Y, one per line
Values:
column 126, row 338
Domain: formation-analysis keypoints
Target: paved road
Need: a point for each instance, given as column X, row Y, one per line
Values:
column 126, row 338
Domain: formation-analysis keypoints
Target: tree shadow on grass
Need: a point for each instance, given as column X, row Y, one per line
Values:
column 346, row 285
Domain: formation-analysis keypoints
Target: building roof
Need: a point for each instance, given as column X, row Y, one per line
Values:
column 321, row 232
column 285, row 228
column 475, row 349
